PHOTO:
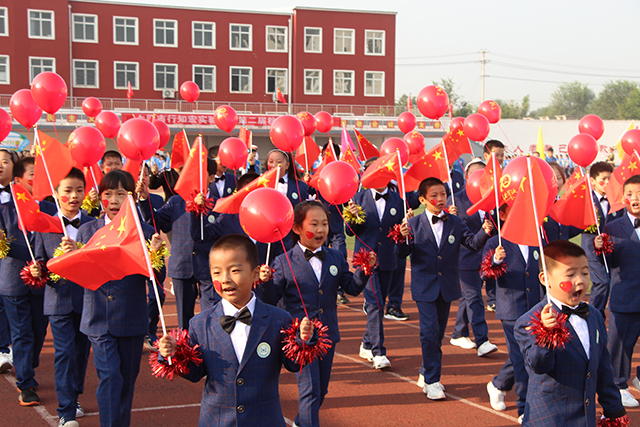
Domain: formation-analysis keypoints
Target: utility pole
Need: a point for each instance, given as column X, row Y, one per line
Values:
column 483, row 61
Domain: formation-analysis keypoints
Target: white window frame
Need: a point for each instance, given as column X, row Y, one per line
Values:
column 175, row 36
column 97, row 86
column 137, row 28
column 193, row 31
column 353, row 82
column 305, row 81
column 286, row 39
column 8, row 82
column 231, row 67
column 155, row 85
column 250, row 48
column 115, row 75
column 6, row 22
column 215, row 76
column 266, row 80
column 353, row 41
column 384, row 42
column 305, row 39
column 53, row 24
column 73, row 26
column 365, row 84
column 31, row 75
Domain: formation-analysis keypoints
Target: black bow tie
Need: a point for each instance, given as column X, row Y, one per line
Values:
column 582, row 311
column 229, row 322
column 75, row 223
column 603, row 199
column 636, row 223
column 219, row 178
column 281, row 181
column 7, row 189
column 320, row 255
column 443, row 218
column 382, row 196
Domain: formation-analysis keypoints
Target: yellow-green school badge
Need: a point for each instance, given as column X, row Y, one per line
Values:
column 264, row 350
column 536, row 255
column 457, row 185
column 229, row 191
column 211, row 219
column 452, row 239
column 294, row 196
column 393, row 211
column 333, row 270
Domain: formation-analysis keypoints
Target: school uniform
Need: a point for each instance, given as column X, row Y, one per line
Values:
column 336, row 237
column 166, row 179
column 296, row 191
column 563, row 383
column 457, row 182
column 435, row 281
column 553, row 231
column 222, row 186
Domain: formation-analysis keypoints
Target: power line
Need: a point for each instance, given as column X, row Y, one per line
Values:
column 438, row 56
column 524, row 80
column 572, row 73
column 562, row 65
column 428, row 64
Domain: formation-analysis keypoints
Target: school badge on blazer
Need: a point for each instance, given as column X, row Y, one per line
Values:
column 452, row 239
column 393, row 211
column 263, row 350
column 294, row 196
column 333, row 270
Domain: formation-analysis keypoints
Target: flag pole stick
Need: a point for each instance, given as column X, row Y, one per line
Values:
column 403, row 194
column 93, row 175
column 446, row 159
column 199, row 140
column 275, row 187
column 595, row 215
column 495, row 190
column 22, row 227
column 53, row 191
column 535, row 216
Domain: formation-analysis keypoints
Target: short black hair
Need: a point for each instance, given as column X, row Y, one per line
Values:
column 77, row 174
column 20, row 167
column 336, row 148
column 599, row 167
column 491, row 144
column 111, row 153
column 212, row 166
column 237, row 242
column 115, row 178
column 12, row 153
column 246, row 179
column 369, row 162
column 300, row 214
column 213, row 151
column 557, row 250
column 426, row 184
column 635, row 179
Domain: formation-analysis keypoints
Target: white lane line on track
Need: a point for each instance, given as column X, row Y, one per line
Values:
column 40, row 409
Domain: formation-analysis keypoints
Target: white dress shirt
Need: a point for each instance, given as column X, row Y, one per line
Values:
column 604, row 204
column 633, row 220
column 524, row 250
column 4, row 196
column 71, row 230
column 315, row 262
column 240, row 332
column 579, row 324
column 283, row 187
column 438, row 227
column 220, row 186
column 381, row 203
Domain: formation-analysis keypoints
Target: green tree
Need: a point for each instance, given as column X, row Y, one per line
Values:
column 630, row 110
column 402, row 101
column 514, row 110
column 571, row 99
column 613, row 98
column 460, row 106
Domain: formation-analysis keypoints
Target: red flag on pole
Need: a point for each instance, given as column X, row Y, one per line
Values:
column 280, row 96
column 179, row 150
column 129, row 91
column 630, row 166
column 90, row 173
column 194, row 174
column 456, row 144
column 329, row 156
column 383, row 170
column 52, row 165
column 29, row 211
column 245, row 136
column 231, row 204
column 365, row 148
column 574, row 206
column 409, row 103
column 430, row 164
column 307, row 153
column 487, row 189
column 347, row 156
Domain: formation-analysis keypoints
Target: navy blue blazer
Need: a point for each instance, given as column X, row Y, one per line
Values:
column 457, row 182
column 292, row 191
column 563, row 383
column 229, row 187
column 624, row 264
column 434, row 270
column 413, row 199
column 63, row 296
column 519, row 288
column 336, row 223
column 469, row 259
column 555, row 231
column 156, row 203
column 374, row 231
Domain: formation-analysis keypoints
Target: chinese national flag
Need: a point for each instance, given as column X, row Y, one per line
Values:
column 347, row 156
column 88, row 177
column 179, row 150
column 456, row 144
column 129, row 91
column 575, row 177
column 574, row 207
column 366, row 149
column 329, row 156
column 383, row 170
column 194, row 175
column 487, row 189
column 133, row 167
column 29, row 212
column 231, row 204
column 307, row 153
column 58, row 160
column 521, row 227
column 115, row 251
column 280, row 96
column 245, row 136
column 431, row 164
column 630, row 166
column 409, row 103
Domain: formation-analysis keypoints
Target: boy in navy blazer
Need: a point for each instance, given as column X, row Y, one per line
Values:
column 224, row 183
column 241, row 343
column 434, row 240
column 563, row 382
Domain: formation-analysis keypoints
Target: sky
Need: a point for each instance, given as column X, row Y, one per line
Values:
column 532, row 46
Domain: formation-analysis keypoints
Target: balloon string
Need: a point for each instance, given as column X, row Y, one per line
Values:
column 55, row 128
column 153, row 214
column 295, row 174
column 505, row 135
column 294, row 277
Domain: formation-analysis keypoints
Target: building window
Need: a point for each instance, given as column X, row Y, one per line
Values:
column 85, row 28
column 4, row 70
column 85, row 73
column 165, row 76
column 312, row 40
column 165, row 33
column 204, row 35
column 276, row 78
column 126, row 72
column 205, row 77
column 240, row 80
column 373, row 42
column 342, row 83
column 41, row 24
column 313, row 82
column 125, row 30
column 4, row 21
column 276, row 39
column 343, row 41
column 240, row 38
column 40, row 65
column 373, row 83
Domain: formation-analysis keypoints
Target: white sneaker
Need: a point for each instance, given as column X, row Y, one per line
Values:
column 434, row 391
column 5, row 362
column 365, row 354
column 520, row 418
column 628, row 400
column 463, row 342
column 79, row 410
column 381, row 362
column 486, row 348
column 65, row 423
column 636, row 383
column 420, row 381
column 496, row 397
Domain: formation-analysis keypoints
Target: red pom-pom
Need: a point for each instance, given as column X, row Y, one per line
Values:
column 607, row 245
column 33, row 282
column 616, row 422
column 192, row 206
column 396, row 235
column 361, row 260
column 490, row 271
column 257, row 282
column 551, row 338
column 305, row 354
column 184, row 354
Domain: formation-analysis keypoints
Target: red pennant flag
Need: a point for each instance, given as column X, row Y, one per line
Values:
column 409, row 103
column 487, row 190
column 133, row 167
column 347, row 156
column 456, row 144
column 129, row 91
column 575, row 177
column 328, row 158
column 245, row 136
column 231, row 204
column 383, row 170
column 366, row 149
column 430, row 164
column 29, row 212
column 307, row 153
column 630, row 166
column 194, row 174
column 89, row 177
column 179, row 150
column 280, row 96
column 58, row 163
column 119, row 242
column 575, row 206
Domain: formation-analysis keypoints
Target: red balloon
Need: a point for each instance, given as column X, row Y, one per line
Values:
column 476, row 127
column 390, row 145
column 266, row 215
column 308, row 122
column 5, row 124
column 86, row 145
column 163, row 131
column 138, row 139
column 49, row 91
column 583, row 149
column 287, row 133
column 473, row 186
column 511, row 181
column 324, row 121
column 631, row 141
column 338, row 182
column 91, row 106
column 233, row 153
column 189, row 91
column 406, row 122
column 415, row 142
column 592, row 125
column 24, row 108
column 491, row 110
column 433, row 102
column 108, row 123
column 225, row 118
column 456, row 124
